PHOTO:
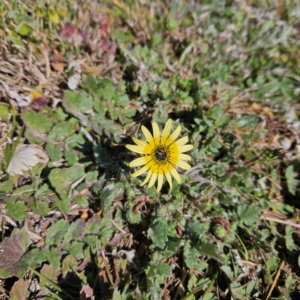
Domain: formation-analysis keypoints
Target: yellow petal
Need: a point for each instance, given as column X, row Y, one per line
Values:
column 186, row 148
column 183, row 165
column 148, row 135
column 156, row 134
column 147, row 178
column 169, row 178
column 176, row 175
column 141, row 171
column 140, row 161
column 134, row 148
column 166, row 131
column 160, row 178
column 184, row 157
column 139, row 142
column 182, row 141
column 153, row 179
column 146, row 147
column 173, row 136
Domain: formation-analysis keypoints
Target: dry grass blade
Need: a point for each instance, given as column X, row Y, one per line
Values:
column 275, row 280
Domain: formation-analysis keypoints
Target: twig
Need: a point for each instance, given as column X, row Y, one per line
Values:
column 285, row 222
column 116, row 225
column 275, row 280
column 106, row 266
column 268, row 177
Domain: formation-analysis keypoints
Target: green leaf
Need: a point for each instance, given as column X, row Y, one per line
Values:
column 248, row 120
column 90, row 83
column 60, row 114
column 73, row 231
column 63, row 205
column 123, row 100
column 93, row 241
column 237, row 290
column 289, row 242
column 252, row 287
column 249, row 214
column 23, row 191
column 109, row 193
column 282, row 208
column 215, row 112
column 60, row 131
column 158, row 233
column 157, row 272
column 195, row 229
column 211, row 250
column 117, row 295
column 164, row 270
column 228, row 271
column 100, row 108
column 56, row 233
column 106, row 231
column 244, row 172
column 75, row 140
column 290, row 176
column 223, row 121
column 36, row 125
column 68, row 265
column 113, row 113
column 82, row 201
column 71, row 156
column 92, row 225
column 39, row 122
column 15, row 40
column 24, row 29
column 6, row 111
column 36, row 257
column 5, row 187
column 209, row 296
column 78, row 102
column 54, row 152
column 192, row 282
column 16, row 209
column 106, row 89
column 132, row 217
column 129, row 112
column 43, row 191
column 62, row 179
column 53, row 257
column 273, row 264
column 40, row 208
column 144, row 90
column 76, row 249
column 290, row 282
column 192, row 258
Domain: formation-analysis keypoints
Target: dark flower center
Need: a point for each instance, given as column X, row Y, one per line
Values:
column 161, row 153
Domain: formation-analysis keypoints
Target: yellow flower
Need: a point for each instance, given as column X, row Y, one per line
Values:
column 160, row 155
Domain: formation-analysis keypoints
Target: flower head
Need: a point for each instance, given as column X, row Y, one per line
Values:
column 160, row 155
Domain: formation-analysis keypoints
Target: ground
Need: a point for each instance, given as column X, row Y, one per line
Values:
column 78, row 81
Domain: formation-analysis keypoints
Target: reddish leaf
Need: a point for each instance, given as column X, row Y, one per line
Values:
column 67, row 30
column 223, row 222
column 86, row 292
column 12, row 249
column 19, row 291
column 179, row 230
